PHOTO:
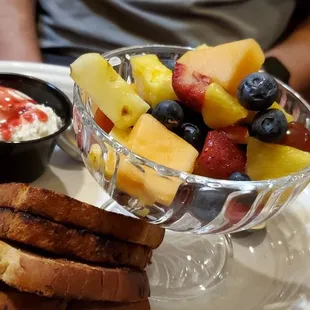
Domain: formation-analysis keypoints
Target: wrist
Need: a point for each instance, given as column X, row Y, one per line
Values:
column 276, row 68
column 295, row 59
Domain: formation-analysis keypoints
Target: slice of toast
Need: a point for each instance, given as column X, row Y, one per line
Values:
column 12, row 299
column 84, row 305
column 65, row 279
column 66, row 210
column 59, row 239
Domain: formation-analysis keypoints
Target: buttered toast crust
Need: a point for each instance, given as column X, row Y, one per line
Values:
column 68, row 211
column 60, row 278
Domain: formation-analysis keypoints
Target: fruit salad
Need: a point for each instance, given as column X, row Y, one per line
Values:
column 213, row 114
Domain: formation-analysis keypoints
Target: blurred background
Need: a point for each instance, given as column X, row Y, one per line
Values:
column 58, row 31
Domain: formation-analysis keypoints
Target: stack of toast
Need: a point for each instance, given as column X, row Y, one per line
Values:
column 59, row 253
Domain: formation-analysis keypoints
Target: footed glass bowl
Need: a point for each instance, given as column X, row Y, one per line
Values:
column 175, row 199
column 185, row 266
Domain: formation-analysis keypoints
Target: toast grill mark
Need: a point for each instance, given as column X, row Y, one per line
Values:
column 58, row 239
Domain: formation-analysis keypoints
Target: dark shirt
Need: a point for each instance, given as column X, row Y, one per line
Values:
column 74, row 27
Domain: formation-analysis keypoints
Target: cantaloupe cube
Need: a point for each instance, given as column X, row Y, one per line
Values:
column 227, row 64
column 129, row 178
column 269, row 161
column 162, row 188
column 153, row 79
column 146, row 185
column 152, row 140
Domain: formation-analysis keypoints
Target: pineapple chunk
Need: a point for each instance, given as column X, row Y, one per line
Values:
column 152, row 140
column 143, row 212
column 117, row 100
column 120, row 135
column 220, row 109
column 153, row 79
column 270, row 161
column 288, row 116
column 134, row 87
column 275, row 105
column 94, row 158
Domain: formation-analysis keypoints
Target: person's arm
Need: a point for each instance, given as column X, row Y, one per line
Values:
column 294, row 53
column 18, row 36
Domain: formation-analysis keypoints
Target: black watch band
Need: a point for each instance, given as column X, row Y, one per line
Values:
column 275, row 67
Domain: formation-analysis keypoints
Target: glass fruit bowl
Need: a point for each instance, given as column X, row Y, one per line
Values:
column 176, row 200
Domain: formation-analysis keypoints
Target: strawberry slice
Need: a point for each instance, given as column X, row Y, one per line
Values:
column 190, row 86
column 220, row 157
column 237, row 134
column 103, row 121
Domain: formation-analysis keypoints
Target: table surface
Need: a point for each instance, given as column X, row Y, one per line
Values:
column 269, row 270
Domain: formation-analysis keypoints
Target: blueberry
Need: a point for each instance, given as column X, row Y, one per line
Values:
column 207, row 203
column 169, row 113
column 169, row 63
column 258, row 91
column 238, row 176
column 269, row 126
column 149, row 111
column 191, row 134
column 195, row 118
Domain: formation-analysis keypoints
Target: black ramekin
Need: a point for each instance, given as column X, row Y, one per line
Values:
column 26, row 161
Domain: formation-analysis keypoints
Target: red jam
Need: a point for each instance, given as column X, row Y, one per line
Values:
column 15, row 110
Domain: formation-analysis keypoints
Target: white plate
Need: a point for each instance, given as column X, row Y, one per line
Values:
column 57, row 75
column 270, row 270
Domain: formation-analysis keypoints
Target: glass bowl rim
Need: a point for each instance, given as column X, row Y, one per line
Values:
column 120, row 148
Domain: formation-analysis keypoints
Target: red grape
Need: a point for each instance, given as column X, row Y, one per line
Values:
column 297, row 136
